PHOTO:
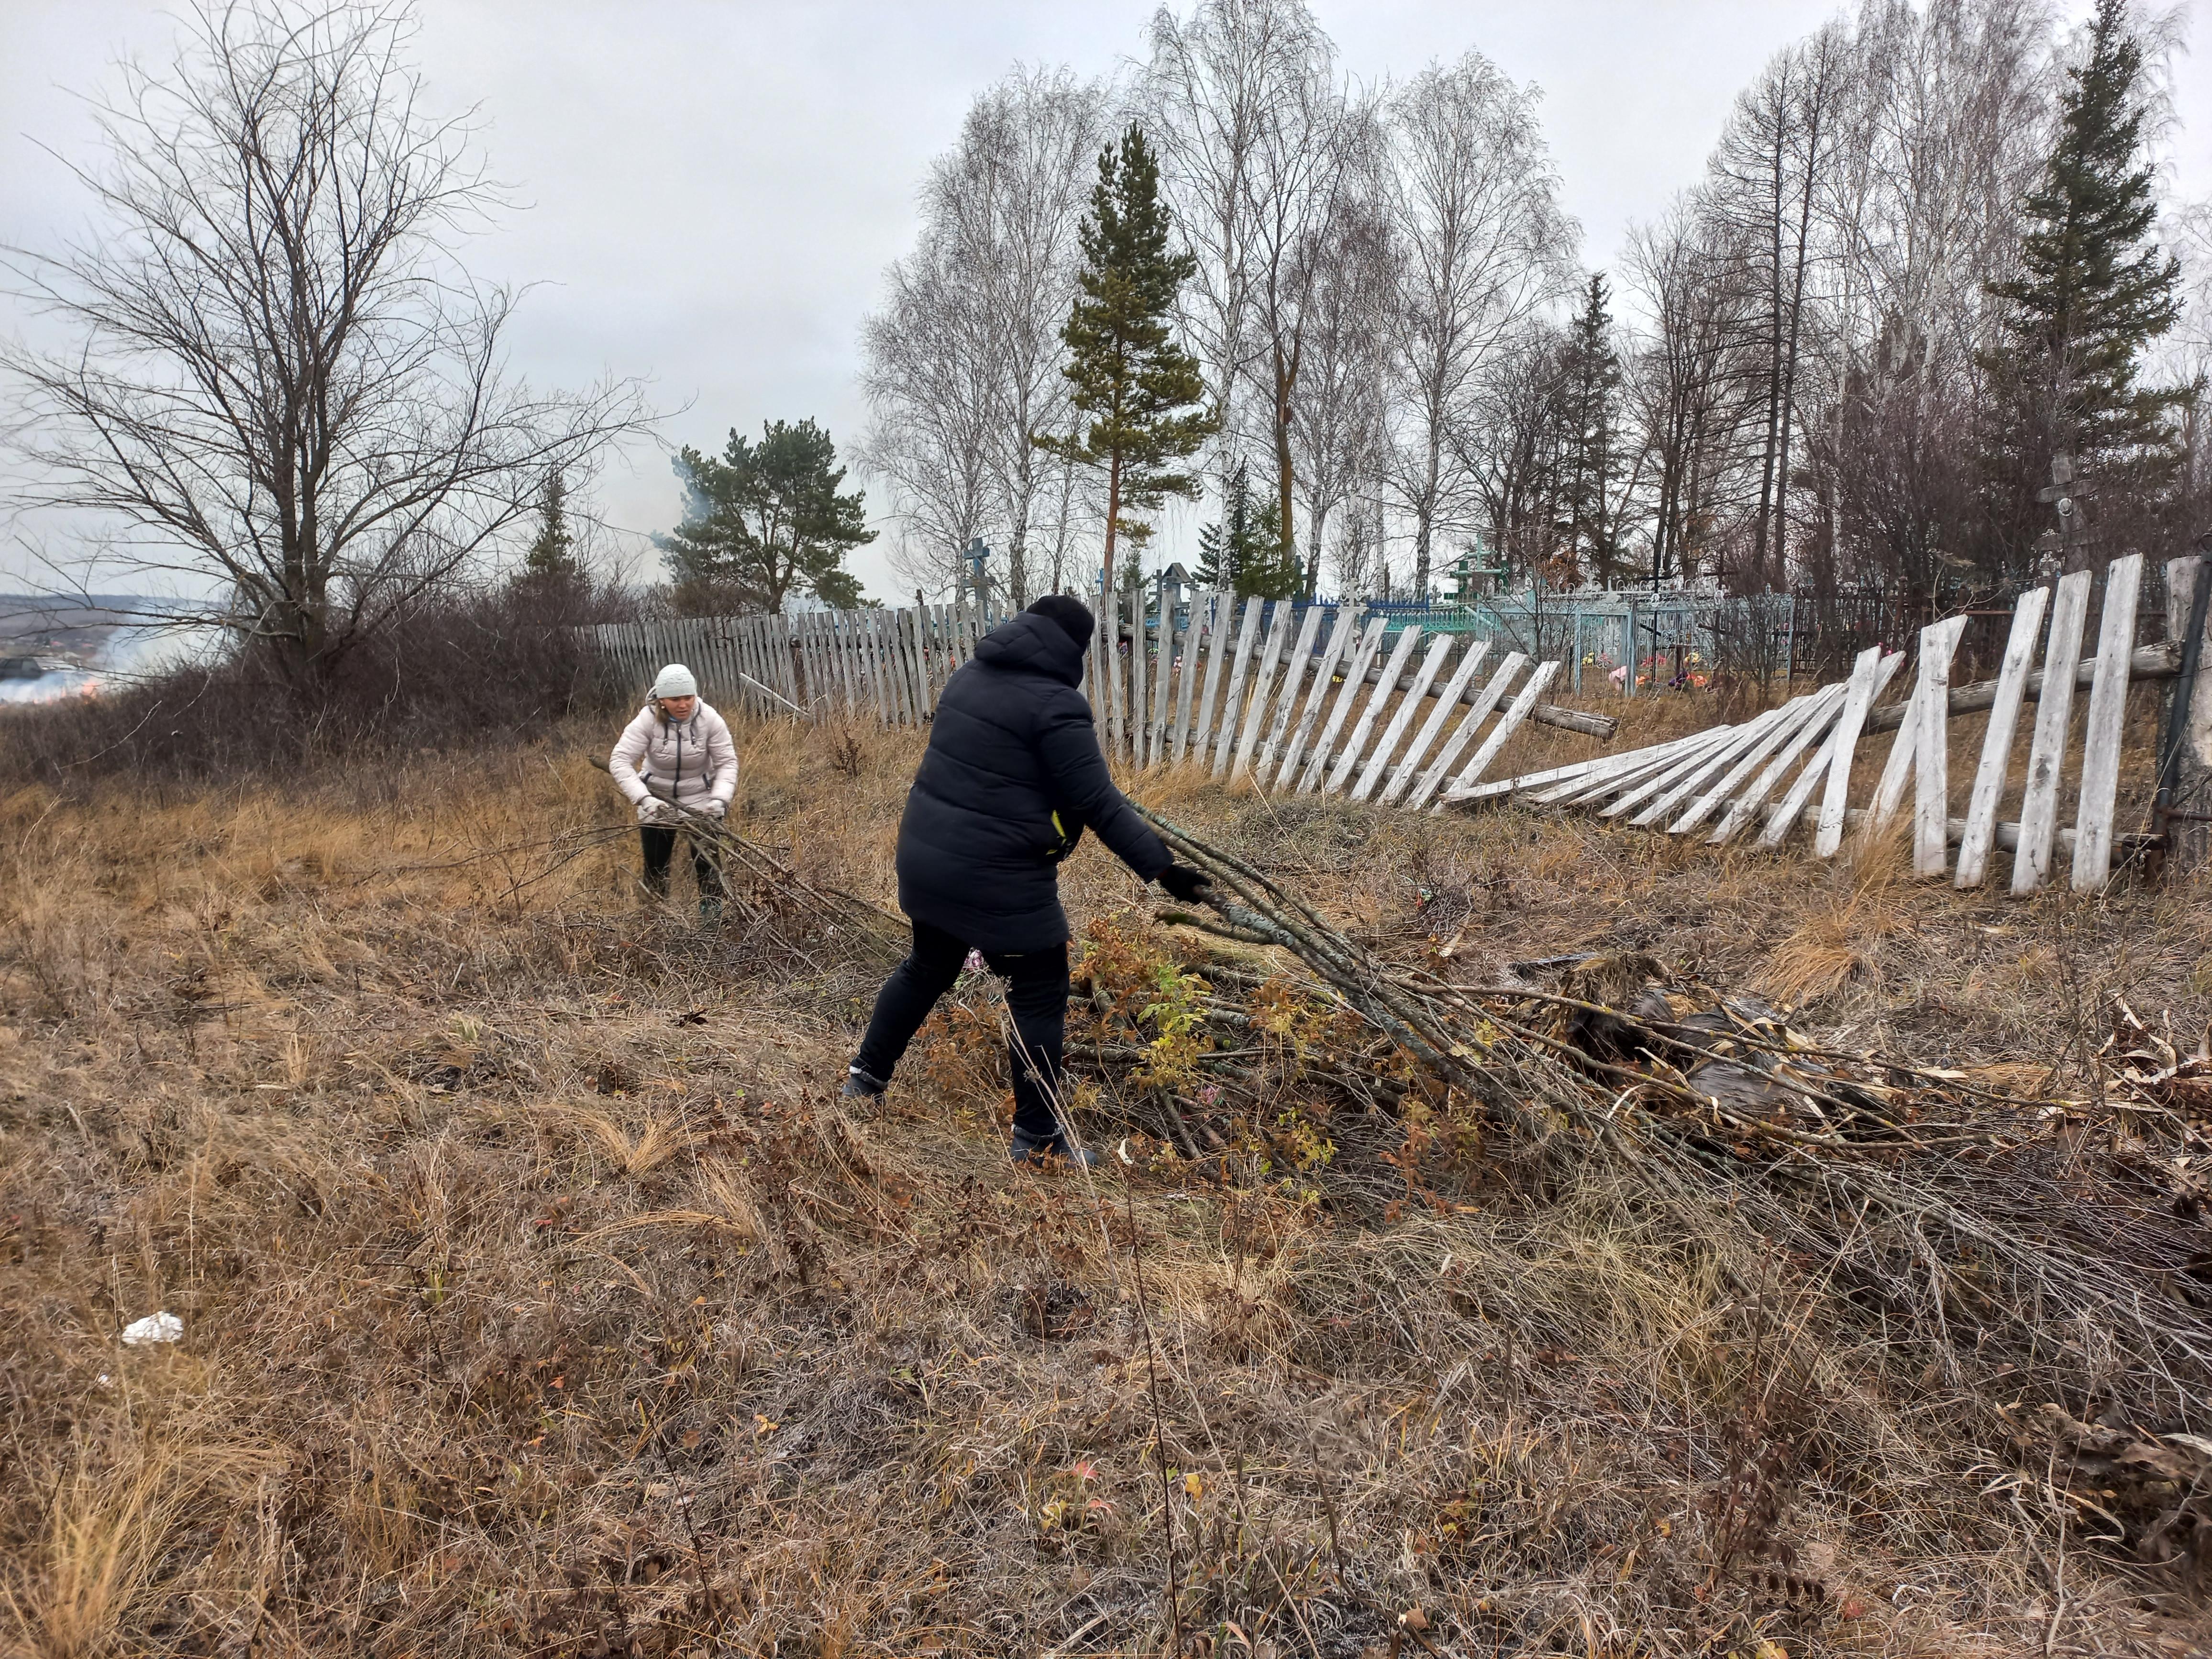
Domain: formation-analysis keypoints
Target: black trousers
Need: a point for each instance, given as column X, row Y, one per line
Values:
column 658, row 843
column 1036, row 996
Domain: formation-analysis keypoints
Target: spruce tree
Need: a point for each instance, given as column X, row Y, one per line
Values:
column 1590, row 417
column 1134, row 384
column 2093, row 291
column 552, row 554
column 1243, row 553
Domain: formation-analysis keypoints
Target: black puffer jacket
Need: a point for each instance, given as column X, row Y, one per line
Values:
column 1012, row 745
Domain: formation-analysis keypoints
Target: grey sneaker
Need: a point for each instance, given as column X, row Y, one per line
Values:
column 858, row 1085
column 1024, row 1148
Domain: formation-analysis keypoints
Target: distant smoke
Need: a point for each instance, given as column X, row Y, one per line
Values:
column 126, row 654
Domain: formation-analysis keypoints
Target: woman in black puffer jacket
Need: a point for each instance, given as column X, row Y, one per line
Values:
column 1011, row 780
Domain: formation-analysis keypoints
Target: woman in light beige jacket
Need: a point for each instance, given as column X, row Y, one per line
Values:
column 677, row 761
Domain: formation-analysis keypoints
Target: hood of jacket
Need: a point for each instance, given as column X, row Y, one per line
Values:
column 1027, row 640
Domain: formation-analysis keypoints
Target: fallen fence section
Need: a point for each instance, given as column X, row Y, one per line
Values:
column 1720, row 782
column 1299, row 698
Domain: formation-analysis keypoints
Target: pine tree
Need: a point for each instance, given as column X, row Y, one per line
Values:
column 765, row 521
column 1133, row 382
column 552, row 554
column 1590, row 417
column 2094, row 291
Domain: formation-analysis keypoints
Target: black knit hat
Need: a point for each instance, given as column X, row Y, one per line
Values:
column 1069, row 614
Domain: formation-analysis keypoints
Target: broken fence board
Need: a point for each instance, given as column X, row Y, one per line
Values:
column 1837, row 793
column 1931, row 747
column 2046, row 754
column 1981, row 828
column 1348, row 756
column 1432, row 662
column 1248, row 635
column 1788, row 718
column 1340, row 644
column 2101, row 728
column 1833, row 756
column 1355, row 683
column 1286, row 704
column 1679, row 788
column 1629, row 794
column 1447, row 700
column 1508, row 723
column 1748, row 803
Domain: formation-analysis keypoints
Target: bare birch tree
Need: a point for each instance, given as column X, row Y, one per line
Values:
column 961, row 366
column 283, row 384
column 1260, row 143
column 1481, row 247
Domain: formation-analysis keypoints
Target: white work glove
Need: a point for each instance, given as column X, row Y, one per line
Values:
column 655, row 810
column 714, row 807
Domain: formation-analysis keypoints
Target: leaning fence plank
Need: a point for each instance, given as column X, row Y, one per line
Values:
column 1588, row 780
column 1216, row 658
column 1333, row 656
column 1194, row 630
column 1653, row 767
column 1996, row 740
column 1163, row 662
column 2101, row 728
column 1508, row 723
column 2054, row 713
column 1827, row 703
column 906, row 628
column 1355, row 683
column 1931, row 757
column 1107, row 636
column 1140, row 682
column 1684, row 786
column 1348, row 756
column 1866, row 685
column 817, row 663
column 1263, row 685
column 1658, row 793
column 1248, row 635
column 1301, row 659
column 1493, row 689
column 848, row 659
column 1792, row 714
column 1432, row 662
column 1833, row 756
column 1408, row 767
column 898, row 684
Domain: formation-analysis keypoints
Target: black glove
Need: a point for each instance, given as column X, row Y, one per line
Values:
column 1182, row 882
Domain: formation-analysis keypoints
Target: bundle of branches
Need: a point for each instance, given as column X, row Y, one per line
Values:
column 770, row 900
column 2038, row 1248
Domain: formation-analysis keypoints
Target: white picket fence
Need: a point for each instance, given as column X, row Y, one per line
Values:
column 1242, row 688
column 1722, row 780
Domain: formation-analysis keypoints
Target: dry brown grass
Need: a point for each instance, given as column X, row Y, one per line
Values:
column 539, row 1299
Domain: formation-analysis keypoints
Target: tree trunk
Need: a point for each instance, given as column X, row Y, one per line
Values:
column 1113, row 523
column 1286, row 377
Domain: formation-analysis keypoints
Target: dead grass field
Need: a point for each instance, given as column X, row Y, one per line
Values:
column 538, row 1298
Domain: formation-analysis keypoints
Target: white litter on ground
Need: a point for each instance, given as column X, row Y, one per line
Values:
column 154, row 1327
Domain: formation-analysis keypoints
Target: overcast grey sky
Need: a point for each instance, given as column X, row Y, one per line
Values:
column 714, row 187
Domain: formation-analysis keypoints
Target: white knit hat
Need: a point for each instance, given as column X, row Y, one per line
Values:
column 675, row 681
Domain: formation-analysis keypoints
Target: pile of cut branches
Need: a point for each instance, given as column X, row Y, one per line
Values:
column 2009, row 1247
column 767, row 901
